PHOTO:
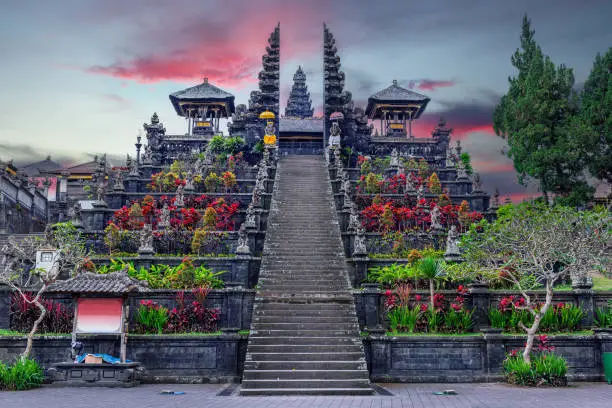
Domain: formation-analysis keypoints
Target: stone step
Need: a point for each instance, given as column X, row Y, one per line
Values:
column 308, row 325
column 301, row 314
column 305, row 374
column 305, row 391
column 304, row 332
column 255, row 339
column 307, row 356
column 305, row 365
column 306, row 383
column 305, row 289
column 310, row 303
column 314, row 348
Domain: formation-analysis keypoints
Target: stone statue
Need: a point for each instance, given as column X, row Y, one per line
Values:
column 409, row 187
column 146, row 240
column 250, row 220
column 243, row 242
column 189, row 181
column 132, row 166
column 495, row 203
column 76, row 215
column 147, row 155
column 359, row 247
column 394, row 158
column 118, row 185
column 180, row 198
column 270, row 129
column 353, row 224
column 476, row 183
column 164, row 217
column 435, row 218
column 452, row 245
column 334, row 135
column 101, row 189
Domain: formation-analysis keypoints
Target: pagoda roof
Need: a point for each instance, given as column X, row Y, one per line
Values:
column 202, row 94
column 116, row 283
column 41, row 167
column 396, row 96
column 298, row 125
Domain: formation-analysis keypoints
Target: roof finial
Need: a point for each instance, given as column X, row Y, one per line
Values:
column 205, row 80
column 395, row 82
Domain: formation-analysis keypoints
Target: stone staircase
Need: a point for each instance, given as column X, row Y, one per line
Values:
column 304, row 336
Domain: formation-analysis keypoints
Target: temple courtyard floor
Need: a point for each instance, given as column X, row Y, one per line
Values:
column 583, row 395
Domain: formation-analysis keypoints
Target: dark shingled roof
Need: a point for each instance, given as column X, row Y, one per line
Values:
column 116, row 283
column 41, row 167
column 301, row 125
column 204, row 92
column 397, row 93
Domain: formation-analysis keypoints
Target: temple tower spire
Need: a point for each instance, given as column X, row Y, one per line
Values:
column 299, row 104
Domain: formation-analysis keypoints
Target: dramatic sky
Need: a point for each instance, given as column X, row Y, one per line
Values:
column 79, row 77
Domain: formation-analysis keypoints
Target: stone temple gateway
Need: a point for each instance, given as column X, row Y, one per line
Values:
column 295, row 237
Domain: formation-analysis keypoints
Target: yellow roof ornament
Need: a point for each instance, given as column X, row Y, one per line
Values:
column 266, row 115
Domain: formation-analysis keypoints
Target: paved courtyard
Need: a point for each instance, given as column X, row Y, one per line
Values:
column 583, row 395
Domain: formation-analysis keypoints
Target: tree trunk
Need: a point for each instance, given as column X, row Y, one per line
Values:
column 431, row 294
column 30, row 341
column 531, row 332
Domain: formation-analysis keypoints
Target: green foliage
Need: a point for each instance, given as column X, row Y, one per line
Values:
column 404, row 318
column 226, row 145
column 434, row 320
column 596, row 112
column 467, row 162
column 431, row 268
column 545, row 368
column 391, row 275
column 498, row 319
column 539, row 117
column 152, row 318
column 458, row 321
column 373, row 183
column 24, row 374
column 603, row 317
column 183, row 276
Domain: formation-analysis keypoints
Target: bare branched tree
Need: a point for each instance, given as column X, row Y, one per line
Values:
column 66, row 255
column 532, row 245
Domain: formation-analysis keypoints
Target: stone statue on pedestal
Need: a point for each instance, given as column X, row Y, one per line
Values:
column 435, row 218
column 452, row 245
column 180, row 198
column 146, row 240
column 164, row 217
column 250, row 221
column 359, row 247
column 334, row 135
column 243, row 242
column 189, row 181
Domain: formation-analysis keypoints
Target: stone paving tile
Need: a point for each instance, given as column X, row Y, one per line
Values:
column 582, row 395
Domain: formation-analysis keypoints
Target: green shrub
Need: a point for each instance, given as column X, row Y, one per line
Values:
column 458, row 321
column 569, row 317
column 518, row 371
column 404, row 318
column 24, row 374
column 391, row 275
column 498, row 319
column 603, row 317
column 434, row 320
column 151, row 317
column 545, row 369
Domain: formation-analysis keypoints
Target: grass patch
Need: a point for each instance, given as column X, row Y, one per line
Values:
column 190, row 334
column 5, row 332
column 391, row 334
column 574, row 333
column 244, row 332
column 602, row 283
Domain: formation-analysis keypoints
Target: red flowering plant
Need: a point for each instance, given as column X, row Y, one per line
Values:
column 24, row 312
column 191, row 314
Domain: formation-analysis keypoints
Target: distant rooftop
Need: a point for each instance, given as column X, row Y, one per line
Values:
column 41, row 167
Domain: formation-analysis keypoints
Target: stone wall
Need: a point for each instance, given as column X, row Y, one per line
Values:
column 235, row 304
column 475, row 358
column 166, row 359
column 369, row 303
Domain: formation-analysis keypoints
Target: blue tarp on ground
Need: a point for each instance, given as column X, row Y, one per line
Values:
column 105, row 358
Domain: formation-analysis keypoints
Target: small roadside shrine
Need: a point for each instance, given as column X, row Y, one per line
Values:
column 101, row 309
